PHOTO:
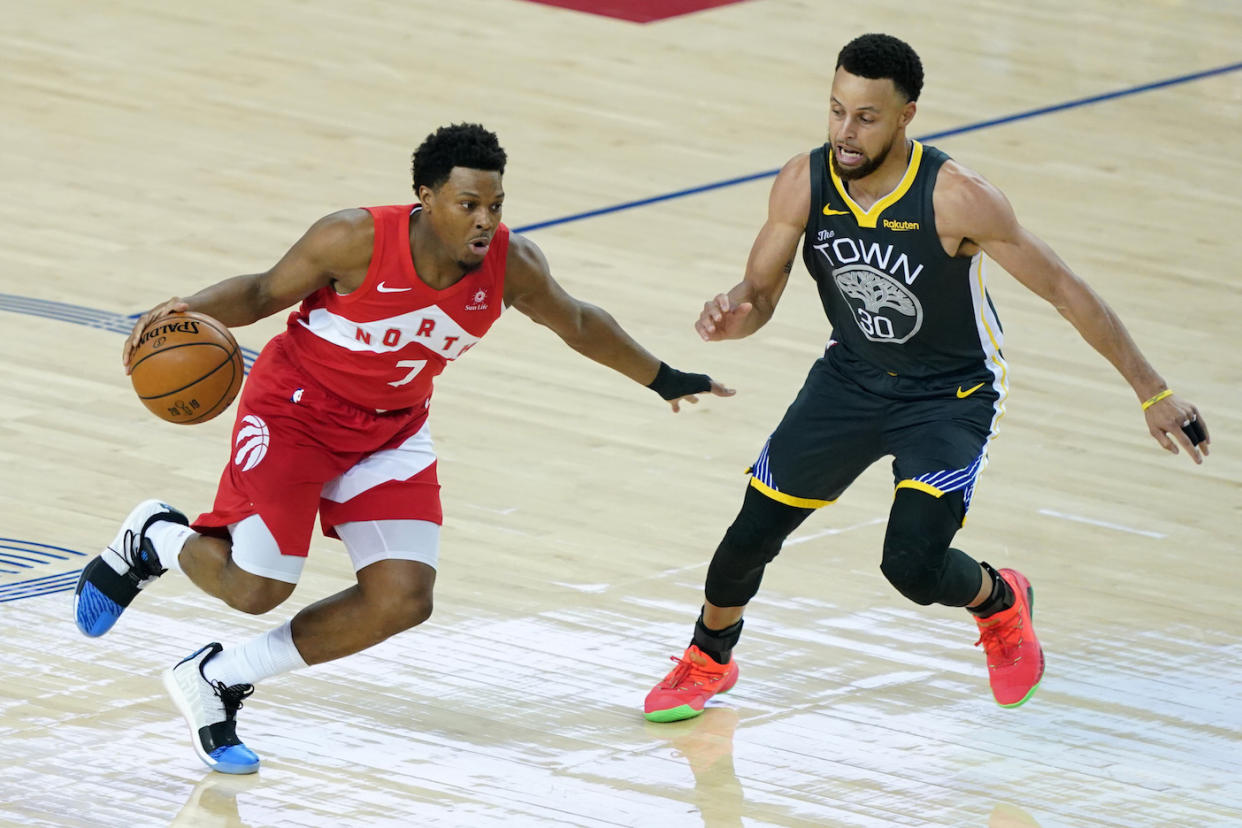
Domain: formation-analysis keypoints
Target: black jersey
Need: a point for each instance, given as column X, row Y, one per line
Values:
column 898, row 303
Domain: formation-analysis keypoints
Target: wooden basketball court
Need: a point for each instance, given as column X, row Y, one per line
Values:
column 152, row 148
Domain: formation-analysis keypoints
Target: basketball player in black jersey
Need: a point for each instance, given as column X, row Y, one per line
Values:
column 896, row 234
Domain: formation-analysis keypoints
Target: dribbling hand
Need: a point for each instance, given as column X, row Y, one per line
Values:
column 174, row 305
column 721, row 319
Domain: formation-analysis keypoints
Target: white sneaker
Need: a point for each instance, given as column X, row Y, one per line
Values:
column 110, row 581
column 210, row 709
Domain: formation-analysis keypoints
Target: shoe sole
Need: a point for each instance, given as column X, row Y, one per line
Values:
column 173, row 687
column 1030, row 608
column 93, row 612
column 673, row 714
column 1024, row 699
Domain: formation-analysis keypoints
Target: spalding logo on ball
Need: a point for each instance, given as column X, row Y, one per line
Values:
column 187, row 368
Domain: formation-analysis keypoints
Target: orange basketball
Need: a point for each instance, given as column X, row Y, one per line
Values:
column 187, row 368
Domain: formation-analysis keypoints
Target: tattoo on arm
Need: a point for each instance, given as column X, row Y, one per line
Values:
column 789, row 266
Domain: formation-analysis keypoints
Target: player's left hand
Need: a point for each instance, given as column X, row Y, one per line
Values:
column 1173, row 422
column 717, row 390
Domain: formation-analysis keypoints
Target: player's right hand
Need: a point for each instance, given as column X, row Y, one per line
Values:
column 1170, row 419
column 173, row 305
column 721, row 319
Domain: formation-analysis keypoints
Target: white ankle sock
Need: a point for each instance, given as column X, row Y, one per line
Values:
column 261, row 657
column 168, row 538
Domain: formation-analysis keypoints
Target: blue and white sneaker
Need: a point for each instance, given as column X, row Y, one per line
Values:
column 113, row 577
column 210, row 709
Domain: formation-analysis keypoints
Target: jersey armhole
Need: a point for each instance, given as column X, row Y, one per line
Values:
column 502, row 269
column 378, row 243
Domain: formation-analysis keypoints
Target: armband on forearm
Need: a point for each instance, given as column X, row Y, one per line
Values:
column 670, row 383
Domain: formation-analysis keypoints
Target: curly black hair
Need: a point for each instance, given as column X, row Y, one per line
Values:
column 884, row 56
column 457, row 145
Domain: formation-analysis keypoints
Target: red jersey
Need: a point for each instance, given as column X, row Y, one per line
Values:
column 380, row 346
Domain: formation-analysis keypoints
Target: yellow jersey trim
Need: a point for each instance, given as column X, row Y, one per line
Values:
column 788, row 500
column 918, row 485
column 868, row 218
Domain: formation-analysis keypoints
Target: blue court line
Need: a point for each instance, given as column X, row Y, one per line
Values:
column 8, row 559
column 37, row 594
column 42, row 581
column 42, row 589
column 90, row 317
column 933, row 136
column 44, row 545
column 38, row 587
column 30, row 551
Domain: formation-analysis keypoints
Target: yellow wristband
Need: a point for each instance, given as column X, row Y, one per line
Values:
column 1149, row 403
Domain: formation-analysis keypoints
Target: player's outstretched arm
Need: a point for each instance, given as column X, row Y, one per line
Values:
column 590, row 330
column 969, row 207
column 335, row 248
column 750, row 303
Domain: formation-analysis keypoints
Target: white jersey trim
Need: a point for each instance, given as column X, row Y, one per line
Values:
column 400, row 463
column 991, row 338
column 430, row 327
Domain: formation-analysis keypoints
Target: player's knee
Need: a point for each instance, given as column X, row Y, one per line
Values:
column 916, row 546
column 750, row 544
column 401, row 610
column 255, row 595
column 912, row 566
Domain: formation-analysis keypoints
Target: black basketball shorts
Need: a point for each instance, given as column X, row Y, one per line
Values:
column 839, row 425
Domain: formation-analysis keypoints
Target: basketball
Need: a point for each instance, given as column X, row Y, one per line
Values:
column 187, row 368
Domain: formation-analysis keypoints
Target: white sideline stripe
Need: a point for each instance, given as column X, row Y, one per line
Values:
column 825, row 532
column 1103, row 523
column 502, row 512
column 401, row 463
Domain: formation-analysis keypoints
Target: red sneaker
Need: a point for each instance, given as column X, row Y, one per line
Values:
column 684, row 691
column 1015, row 659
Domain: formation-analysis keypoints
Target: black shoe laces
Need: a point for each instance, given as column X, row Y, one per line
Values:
column 131, row 552
column 232, row 697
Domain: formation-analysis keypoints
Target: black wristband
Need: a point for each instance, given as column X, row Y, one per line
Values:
column 670, row 383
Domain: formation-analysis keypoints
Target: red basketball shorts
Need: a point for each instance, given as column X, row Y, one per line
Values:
column 299, row 450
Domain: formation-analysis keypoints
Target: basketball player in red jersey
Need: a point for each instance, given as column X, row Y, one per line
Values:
column 333, row 422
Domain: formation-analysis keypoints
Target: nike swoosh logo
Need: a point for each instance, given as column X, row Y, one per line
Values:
column 828, row 211
column 380, row 287
column 961, row 395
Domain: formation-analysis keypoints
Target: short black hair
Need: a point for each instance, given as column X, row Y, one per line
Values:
column 884, row 56
column 456, row 145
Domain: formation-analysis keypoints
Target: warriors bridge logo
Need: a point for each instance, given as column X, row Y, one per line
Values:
column 875, row 284
column 885, row 309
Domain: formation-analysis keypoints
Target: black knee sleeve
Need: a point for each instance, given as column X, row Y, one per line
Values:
column 917, row 558
column 751, row 542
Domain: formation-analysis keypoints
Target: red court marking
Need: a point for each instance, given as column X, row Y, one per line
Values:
column 638, row 11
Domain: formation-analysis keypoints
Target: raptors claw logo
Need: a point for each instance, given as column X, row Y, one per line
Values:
column 251, row 441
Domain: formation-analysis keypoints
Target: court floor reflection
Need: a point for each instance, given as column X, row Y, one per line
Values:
column 706, row 743
column 212, row 802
